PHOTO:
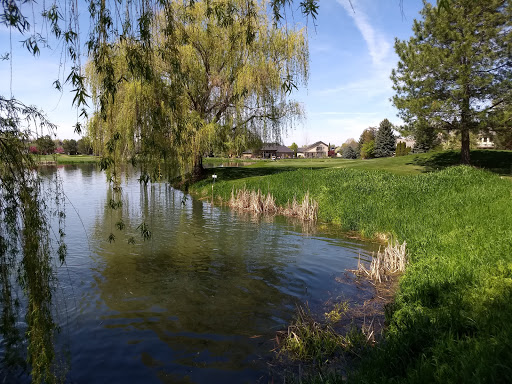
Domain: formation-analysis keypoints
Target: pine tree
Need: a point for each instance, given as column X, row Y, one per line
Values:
column 349, row 152
column 455, row 70
column 385, row 141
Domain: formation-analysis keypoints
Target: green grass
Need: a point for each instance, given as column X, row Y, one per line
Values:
column 499, row 162
column 452, row 317
column 226, row 160
column 402, row 165
column 67, row 159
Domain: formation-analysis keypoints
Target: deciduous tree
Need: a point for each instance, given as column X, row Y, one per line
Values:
column 84, row 146
column 45, row 145
column 367, row 136
column 70, row 146
column 294, row 147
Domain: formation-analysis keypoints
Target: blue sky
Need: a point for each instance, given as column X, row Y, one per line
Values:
column 351, row 53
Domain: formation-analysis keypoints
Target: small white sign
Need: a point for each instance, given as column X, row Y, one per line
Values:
column 214, row 176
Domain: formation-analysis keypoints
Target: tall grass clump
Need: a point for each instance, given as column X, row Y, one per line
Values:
column 383, row 264
column 451, row 320
column 309, row 340
column 257, row 202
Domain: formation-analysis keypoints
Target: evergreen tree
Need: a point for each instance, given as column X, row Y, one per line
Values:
column 503, row 139
column 385, row 141
column 425, row 137
column 348, row 152
column 398, row 151
column 456, row 69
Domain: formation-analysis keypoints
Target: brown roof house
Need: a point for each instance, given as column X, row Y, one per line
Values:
column 269, row 151
column 317, row 150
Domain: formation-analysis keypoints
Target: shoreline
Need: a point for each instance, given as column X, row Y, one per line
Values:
column 456, row 221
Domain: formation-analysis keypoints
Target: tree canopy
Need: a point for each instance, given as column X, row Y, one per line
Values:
column 45, row 145
column 366, row 143
column 455, row 71
column 217, row 79
column 294, row 147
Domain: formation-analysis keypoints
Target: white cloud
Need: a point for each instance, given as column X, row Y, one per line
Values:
column 378, row 46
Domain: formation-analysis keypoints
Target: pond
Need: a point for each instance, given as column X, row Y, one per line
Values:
column 201, row 301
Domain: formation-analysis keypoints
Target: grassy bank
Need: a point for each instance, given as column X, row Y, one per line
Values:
column 452, row 317
column 67, row 159
column 499, row 162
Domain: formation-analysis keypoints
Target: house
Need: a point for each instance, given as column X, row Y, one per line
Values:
column 269, row 151
column 409, row 141
column 484, row 141
column 248, row 154
column 316, row 150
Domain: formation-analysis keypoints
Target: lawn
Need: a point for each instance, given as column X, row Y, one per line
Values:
column 499, row 162
column 66, row 159
column 452, row 317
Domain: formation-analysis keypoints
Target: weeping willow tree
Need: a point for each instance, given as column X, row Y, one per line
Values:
column 220, row 74
column 27, row 278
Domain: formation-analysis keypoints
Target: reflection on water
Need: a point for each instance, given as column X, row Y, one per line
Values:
column 199, row 302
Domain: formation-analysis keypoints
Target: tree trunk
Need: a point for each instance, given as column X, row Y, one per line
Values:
column 198, row 170
column 464, row 151
column 465, row 118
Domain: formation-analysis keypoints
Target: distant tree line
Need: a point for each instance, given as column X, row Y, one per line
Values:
column 374, row 142
column 45, row 145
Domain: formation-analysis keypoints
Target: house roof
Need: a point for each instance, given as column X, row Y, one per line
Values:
column 277, row 148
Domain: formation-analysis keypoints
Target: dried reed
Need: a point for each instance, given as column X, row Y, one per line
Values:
column 257, row 202
column 383, row 264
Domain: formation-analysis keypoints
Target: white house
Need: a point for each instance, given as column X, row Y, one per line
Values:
column 409, row 141
column 485, row 141
column 316, row 150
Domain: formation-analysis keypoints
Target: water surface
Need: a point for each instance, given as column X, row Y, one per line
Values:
column 200, row 302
